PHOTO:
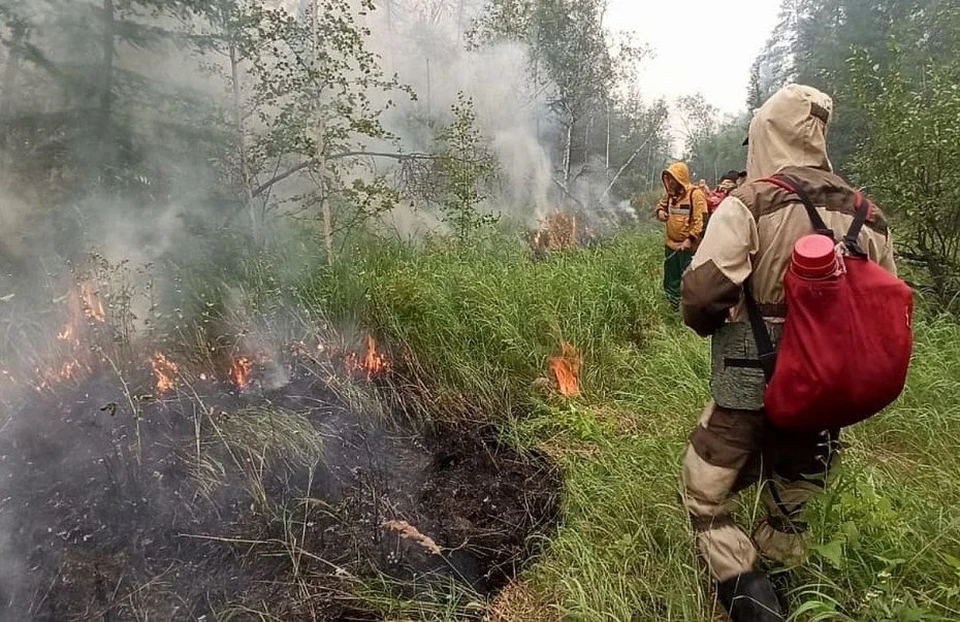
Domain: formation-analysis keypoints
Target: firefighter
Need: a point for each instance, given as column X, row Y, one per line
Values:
column 682, row 209
column 751, row 236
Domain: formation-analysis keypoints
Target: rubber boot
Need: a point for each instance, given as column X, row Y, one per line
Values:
column 750, row 597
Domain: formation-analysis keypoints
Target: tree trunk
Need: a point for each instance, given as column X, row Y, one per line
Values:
column 320, row 155
column 429, row 103
column 104, row 133
column 11, row 70
column 608, row 137
column 566, row 153
column 241, row 142
column 626, row 165
column 324, row 198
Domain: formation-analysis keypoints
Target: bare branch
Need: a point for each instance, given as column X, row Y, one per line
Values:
column 401, row 157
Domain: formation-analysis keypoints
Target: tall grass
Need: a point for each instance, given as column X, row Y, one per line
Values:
column 474, row 329
column 481, row 323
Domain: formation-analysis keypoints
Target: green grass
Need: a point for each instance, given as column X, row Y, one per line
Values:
column 481, row 324
column 473, row 329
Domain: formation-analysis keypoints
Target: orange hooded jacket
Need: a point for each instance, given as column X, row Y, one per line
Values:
column 685, row 211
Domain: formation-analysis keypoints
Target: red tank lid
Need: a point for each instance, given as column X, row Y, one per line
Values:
column 814, row 257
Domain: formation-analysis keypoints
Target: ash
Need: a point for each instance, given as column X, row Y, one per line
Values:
column 117, row 504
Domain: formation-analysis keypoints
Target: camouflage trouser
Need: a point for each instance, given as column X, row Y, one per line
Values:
column 732, row 449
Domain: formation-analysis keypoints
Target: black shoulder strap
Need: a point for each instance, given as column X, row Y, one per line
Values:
column 852, row 239
column 765, row 349
column 791, row 185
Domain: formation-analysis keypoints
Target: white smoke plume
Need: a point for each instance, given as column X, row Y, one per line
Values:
column 427, row 51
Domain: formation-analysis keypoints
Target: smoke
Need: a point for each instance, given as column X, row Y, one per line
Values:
column 14, row 229
column 431, row 57
column 427, row 50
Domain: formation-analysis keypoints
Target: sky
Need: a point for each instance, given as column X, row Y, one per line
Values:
column 699, row 45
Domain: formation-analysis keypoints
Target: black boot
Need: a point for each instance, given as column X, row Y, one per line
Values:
column 750, row 597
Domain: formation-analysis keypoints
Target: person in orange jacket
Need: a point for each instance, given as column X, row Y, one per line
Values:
column 682, row 209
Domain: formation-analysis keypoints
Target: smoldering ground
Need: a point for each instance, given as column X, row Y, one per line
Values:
column 120, row 503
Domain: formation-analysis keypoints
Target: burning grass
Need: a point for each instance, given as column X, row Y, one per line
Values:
column 213, row 499
column 152, row 484
column 475, row 329
column 566, row 370
column 561, row 231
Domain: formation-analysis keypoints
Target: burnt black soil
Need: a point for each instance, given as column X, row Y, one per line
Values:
column 94, row 533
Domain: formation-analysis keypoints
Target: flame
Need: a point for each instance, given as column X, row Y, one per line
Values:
column 66, row 334
column 92, row 307
column 566, row 369
column 69, row 370
column 240, row 371
column 166, row 372
column 558, row 231
column 373, row 362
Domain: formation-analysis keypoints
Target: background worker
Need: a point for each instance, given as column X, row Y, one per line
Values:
column 682, row 209
column 728, row 183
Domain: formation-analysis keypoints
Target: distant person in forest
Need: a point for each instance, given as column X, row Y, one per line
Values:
column 747, row 249
column 728, row 183
column 682, row 209
column 741, row 178
column 704, row 186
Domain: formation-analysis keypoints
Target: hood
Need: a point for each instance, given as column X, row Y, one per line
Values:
column 790, row 129
column 680, row 172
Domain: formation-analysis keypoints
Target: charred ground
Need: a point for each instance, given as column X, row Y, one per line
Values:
column 120, row 504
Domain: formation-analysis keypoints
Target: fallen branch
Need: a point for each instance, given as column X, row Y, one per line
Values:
column 629, row 162
column 567, row 192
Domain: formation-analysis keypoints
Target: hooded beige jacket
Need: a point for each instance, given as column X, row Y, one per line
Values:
column 753, row 231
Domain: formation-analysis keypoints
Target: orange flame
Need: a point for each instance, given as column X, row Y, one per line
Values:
column 240, row 371
column 559, row 231
column 374, row 362
column 70, row 370
column 92, row 307
column 566, row 369
column 166, row 372
column 66, row 334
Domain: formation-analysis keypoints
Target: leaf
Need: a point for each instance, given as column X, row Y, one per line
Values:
column 816, row 607
column 832, row 552
column 953, row 561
